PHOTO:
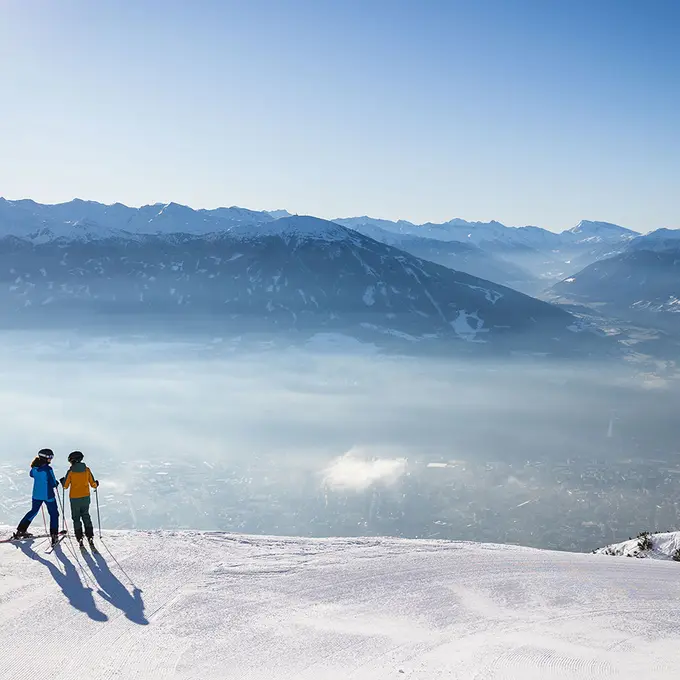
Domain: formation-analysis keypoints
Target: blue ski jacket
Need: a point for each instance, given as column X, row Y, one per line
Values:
column 44, row 483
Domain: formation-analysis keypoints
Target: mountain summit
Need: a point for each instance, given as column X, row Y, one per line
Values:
column 293, row 228
column 590, row 229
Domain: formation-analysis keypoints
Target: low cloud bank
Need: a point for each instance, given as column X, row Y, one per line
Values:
column 356, row 470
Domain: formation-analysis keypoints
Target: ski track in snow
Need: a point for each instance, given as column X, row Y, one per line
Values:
column 216, row 605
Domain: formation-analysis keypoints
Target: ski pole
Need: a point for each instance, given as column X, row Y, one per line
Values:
column 63, row 507
column 99, row 519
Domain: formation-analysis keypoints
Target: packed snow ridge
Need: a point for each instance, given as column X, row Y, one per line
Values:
column 193, row 605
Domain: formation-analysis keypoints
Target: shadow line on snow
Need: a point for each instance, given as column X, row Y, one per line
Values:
column 114, row 592
column 79, row 596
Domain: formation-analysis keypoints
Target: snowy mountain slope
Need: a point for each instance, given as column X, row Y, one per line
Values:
column 663, row 546
column 587, row 229
column 207, row 606
column 28, row 219
column 459, row 255
column 543, row 255
column 641, row 283
column 359, row 223
column 477, row 233
column 661, row 240
column 289, row 274
column 293, row 229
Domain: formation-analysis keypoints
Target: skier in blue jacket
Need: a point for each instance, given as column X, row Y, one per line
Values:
column 44, row 484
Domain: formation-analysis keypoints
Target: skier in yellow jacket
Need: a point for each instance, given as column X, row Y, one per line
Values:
column 79, row 479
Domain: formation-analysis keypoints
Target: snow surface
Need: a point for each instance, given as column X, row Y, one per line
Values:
column 369, row 296
column 467, row 331
column 211, row 606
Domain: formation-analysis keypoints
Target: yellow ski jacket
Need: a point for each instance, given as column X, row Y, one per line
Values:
column 79, row 479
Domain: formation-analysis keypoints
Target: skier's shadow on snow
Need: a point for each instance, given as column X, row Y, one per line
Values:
column 114, row 592
column 79, row 596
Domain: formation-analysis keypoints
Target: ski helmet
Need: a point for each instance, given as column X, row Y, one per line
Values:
column 47, row 454
column 75, row 457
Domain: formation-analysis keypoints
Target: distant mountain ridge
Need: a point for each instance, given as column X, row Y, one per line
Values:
column 494, row 231
column 24, row 217
column 526, row 258
column 91, row 220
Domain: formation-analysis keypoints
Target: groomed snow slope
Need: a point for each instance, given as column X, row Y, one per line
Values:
column 222, row 606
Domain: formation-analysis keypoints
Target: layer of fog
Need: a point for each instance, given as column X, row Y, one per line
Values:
column 298, row 442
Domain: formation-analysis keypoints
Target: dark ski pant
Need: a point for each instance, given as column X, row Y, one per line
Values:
column 80, row 511
column 32, row 513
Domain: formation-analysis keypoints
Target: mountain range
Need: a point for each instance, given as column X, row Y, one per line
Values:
column 529, row 259
column 259, row 270
column 288, row 275
column 28, row 218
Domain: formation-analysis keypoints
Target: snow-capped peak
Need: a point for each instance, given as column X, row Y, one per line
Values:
column 303, row 227
column 589, row 228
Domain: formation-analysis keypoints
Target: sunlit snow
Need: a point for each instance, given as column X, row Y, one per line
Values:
column 212, row 606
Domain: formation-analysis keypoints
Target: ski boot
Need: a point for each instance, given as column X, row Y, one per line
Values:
column 54, row 538
column 22, row 531
column 93, row 547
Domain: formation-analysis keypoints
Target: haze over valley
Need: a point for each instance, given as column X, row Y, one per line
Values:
column 336, row 438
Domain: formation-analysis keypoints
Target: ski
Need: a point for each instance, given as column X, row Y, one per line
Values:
column 30, row 537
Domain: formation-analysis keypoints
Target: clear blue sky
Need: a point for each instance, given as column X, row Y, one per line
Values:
column 526, row 111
